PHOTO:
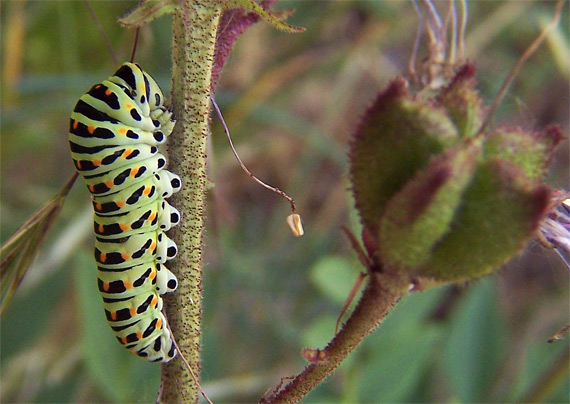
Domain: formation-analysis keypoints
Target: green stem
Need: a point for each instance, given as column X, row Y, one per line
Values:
column 194, row 32
column 382, row 292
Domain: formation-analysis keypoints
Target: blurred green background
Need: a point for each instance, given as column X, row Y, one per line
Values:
column 291, row 102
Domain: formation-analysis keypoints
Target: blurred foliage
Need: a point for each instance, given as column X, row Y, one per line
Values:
column 291, row 102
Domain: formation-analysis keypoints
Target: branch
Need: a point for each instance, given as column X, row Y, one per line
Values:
column 382, row 292
column 195, row 24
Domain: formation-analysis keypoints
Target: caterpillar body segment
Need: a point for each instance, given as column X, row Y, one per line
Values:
column 115, row 130
column 157, row 213
column 161, row 186
column 117, row 156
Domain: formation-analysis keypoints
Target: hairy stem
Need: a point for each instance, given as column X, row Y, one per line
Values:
column 194, row 31
column 382, row 292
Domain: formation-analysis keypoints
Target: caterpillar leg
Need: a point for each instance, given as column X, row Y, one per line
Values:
column 165, row 280
column 165, row 249
column 167, row 183
column 168, row 216
column 161, row 349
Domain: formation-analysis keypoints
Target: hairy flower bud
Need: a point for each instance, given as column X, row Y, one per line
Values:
column 442, row 200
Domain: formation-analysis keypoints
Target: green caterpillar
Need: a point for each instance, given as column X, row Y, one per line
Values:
column 114, row 134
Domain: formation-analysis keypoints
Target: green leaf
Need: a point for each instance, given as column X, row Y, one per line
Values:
column 319, row 332
column 21, row 249
column 274, row 19
column 474, row 350
column 148, row 11
column 334, row 276
column 544, row 367
column 398, row 353
column 397, row 362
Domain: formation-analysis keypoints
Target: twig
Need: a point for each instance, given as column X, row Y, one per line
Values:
column 135, row 43
column 522, row 60
column 102, row 31
column 414, row 55
column 244, row 168
column 382, row 292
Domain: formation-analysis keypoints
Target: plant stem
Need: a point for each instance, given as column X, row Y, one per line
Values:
column 194, row 32
column 382, row 292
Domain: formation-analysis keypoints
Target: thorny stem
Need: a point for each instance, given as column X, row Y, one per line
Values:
column 382, row 292
column 194, row 32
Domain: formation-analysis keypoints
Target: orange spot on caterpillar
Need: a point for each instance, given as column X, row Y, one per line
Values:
column 101, row 228
column 134, row 172
column 78, row 164
column 114, row 316
column 153, row 246
column 91, row 188
column 97, row 86
column 103, row 257
column 152, row 275
column 96, row 163
column 98, row 206
column 147, row 190
column 152, row 216
column 106, row 286
column 128, row 285
column 154, row 301
column 91, row 129
column 124, row 340
column 108, row 92
column 75, row 124
column 129, row 106
column 109, row 184
column 125, row 257
column 139, row 335
column 120, row 204
column 124, row 227
column 159, row 324
column 133, row 312
column 122, row 131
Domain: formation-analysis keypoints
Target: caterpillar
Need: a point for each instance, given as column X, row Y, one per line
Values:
column 114, row 133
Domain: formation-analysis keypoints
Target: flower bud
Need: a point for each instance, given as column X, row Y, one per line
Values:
column 441, row 200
